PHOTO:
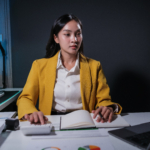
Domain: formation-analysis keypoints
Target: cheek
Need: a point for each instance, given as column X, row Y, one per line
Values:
column 80, row 39
column 65, row 40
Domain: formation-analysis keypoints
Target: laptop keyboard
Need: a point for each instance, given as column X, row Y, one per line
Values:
column 142, row 139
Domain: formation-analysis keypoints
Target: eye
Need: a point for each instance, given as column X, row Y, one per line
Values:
column 67, row 34
column 79, row 34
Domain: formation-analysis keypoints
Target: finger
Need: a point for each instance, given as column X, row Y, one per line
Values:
column 35, row 117
column 102, row 120
column 97, row 111
column 104, row 110
column 99, row 119
column 93, row 111
column 26, row 116
column 41, row 117
column 106, row 115
column 110, row 117
column 31, row 118
column 101, row 112
column 45, row 118
column 111, row 108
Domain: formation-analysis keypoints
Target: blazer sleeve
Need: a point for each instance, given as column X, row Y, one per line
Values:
column 28, row 98
column 102, row 94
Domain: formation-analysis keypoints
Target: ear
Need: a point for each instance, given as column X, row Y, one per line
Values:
column 56, row 39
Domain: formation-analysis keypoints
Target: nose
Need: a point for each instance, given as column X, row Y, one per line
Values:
column 74, row 38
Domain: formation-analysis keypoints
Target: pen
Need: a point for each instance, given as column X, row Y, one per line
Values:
column 100, row 115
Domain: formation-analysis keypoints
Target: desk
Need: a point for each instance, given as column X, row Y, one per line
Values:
column 16, row 140
column 10, row 99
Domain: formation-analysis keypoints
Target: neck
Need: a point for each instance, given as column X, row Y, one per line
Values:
column 68, row 58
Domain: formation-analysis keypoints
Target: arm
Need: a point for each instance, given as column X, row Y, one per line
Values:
column 104, row 104
column 28, row 98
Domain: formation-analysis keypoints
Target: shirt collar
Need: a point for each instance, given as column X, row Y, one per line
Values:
column 59, row 62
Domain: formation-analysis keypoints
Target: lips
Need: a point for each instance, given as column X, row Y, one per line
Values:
column 74, row 46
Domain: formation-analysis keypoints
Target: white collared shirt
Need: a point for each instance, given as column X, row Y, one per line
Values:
column 67, row 94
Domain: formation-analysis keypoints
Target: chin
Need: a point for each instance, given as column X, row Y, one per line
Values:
column 73, row 51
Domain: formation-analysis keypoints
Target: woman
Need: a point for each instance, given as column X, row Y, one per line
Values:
column 66, row 80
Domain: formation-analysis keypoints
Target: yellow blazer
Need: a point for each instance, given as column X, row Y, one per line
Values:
column 41, row 81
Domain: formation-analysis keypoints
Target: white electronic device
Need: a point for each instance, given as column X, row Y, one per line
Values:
column 34, row 129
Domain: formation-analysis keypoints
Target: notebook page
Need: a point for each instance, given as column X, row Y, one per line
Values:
column 117, row 121
column 79, row 117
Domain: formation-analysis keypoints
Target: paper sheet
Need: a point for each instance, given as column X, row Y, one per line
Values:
column 55, row 120
column 73, row 134
column 5, row 115
column 100, row 143
column 117, row 121
column 79, row 117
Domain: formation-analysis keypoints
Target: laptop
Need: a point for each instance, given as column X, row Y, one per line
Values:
column 138, row 135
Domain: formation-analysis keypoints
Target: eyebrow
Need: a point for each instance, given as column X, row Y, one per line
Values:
column 70, row 30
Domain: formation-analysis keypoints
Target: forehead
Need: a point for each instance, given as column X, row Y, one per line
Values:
column 72, row 25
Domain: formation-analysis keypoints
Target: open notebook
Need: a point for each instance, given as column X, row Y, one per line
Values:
column 84, row 119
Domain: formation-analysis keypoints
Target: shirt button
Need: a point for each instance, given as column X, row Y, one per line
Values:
column 68, row 100
column 68, row 86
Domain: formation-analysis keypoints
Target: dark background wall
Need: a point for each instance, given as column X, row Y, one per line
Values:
column 117, row 33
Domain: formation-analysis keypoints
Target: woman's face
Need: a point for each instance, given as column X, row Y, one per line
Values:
column 70, row 37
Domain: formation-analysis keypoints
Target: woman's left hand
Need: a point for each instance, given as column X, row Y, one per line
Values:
column 106, row 112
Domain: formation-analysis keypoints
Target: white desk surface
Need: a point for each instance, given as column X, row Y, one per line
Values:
column 15, row 140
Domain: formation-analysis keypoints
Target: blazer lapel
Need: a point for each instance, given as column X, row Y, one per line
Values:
column 85, row 81
column 50, row 77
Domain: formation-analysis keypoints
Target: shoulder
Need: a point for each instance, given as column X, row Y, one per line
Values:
column 40, row 62
column 44, row 63
column 91, row 62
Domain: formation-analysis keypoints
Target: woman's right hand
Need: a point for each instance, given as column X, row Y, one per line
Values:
column 36, row 117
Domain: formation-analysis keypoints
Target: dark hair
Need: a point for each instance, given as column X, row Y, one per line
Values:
column 52, row 47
